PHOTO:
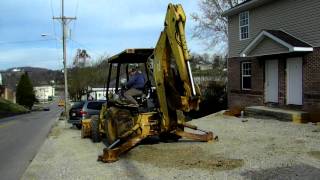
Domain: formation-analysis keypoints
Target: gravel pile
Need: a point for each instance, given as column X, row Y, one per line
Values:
column 247, row 149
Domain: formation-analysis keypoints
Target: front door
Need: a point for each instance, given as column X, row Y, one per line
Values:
column 271, row 81
column 294, row 81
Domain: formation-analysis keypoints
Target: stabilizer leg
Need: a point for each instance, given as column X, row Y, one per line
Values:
column 111, row 155
column 205, row 137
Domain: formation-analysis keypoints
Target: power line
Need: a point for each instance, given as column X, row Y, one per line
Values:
column 27, row 41
column 54, row 30
column 75, row 22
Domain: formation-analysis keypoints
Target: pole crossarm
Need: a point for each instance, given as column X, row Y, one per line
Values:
column 65, row 19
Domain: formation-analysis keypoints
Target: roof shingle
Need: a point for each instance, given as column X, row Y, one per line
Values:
column 288, row 38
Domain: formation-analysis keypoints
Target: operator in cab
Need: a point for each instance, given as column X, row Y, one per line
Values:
column 135, row 85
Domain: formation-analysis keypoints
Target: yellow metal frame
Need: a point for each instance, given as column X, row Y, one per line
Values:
column 169, row 118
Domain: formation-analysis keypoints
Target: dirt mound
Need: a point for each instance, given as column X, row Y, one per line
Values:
column 181, row 157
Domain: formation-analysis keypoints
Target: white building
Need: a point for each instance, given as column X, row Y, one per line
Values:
column 44, row 92
column 97, row 94
column 204, row 67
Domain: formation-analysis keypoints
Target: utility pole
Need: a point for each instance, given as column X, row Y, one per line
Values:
column 64, row 22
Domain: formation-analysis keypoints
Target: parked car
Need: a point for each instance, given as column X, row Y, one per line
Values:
column 82, row 110
column 61, row 103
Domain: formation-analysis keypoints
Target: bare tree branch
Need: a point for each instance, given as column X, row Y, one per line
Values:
column 211, row 27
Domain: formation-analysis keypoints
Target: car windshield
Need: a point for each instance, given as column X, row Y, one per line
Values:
column 95, row 105
column 78, row 104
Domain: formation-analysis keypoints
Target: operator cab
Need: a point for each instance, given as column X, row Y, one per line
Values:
column 118, row 76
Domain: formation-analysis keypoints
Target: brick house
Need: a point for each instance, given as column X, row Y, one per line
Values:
column 274, row 54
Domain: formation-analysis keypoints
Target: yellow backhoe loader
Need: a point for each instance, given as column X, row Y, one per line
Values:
column 169, row 92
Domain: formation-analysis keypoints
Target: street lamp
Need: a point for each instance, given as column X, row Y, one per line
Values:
column 64, row 72
column 44, row 34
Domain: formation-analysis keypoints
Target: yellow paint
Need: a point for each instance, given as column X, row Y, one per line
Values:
column 86, row 128
column 297, row 118
column 173, row 86
column 171, row 49
column 8, row 124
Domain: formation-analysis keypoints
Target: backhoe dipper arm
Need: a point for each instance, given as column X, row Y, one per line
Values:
column 176, row 91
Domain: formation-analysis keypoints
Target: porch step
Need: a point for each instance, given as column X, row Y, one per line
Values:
column 277, row 113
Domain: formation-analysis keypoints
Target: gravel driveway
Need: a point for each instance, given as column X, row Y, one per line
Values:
column 247, row 149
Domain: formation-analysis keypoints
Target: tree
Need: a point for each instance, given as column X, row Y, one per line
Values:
column 80, row 60
column 25, row 94
column 81, row 77
column 211, row 27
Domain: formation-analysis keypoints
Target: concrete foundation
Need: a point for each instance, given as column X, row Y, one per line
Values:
column 277, row 113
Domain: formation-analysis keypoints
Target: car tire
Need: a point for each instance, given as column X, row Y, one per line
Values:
column 95, row 134
column 79, row 126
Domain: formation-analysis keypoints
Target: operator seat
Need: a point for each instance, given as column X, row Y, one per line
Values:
column 146, row 93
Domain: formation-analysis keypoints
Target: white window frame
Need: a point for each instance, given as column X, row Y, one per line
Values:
column 246, row 25
column 245, row 75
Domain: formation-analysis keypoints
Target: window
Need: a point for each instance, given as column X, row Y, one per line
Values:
column 244, row 25
column 78, row 105
column 246, row 75
column 95, row 105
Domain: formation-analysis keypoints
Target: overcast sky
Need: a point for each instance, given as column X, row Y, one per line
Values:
column 103, row 27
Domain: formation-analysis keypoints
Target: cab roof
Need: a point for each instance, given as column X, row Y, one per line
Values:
column 139, row 55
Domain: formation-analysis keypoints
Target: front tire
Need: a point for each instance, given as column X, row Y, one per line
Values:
column 95, row 134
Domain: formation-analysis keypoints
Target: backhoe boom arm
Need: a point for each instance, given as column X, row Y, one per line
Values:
column 176, row 90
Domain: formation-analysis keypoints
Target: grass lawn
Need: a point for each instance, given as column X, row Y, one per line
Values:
column 8, row 108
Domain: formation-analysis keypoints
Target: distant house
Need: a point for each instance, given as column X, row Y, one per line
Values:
column 1, row 83
column 98, row 93
column 7, row 93
column 274, row 54
column 43, row 93
column 202, row 66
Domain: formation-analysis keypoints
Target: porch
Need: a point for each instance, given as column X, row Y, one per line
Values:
column 296, row 116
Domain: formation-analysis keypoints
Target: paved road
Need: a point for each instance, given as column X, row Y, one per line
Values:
column 20, row 139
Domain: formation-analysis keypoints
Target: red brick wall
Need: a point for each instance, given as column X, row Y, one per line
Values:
column 255, row 96
column 311, row 81
column 238, row 98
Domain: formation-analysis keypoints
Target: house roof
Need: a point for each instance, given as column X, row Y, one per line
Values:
column 288, row 38
column 283, row 38
column 246, row 5
column 139, row 55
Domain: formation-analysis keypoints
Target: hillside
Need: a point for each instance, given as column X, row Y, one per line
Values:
column 38, row 76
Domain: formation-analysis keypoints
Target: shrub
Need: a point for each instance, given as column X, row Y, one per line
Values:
column 25, row 94
column 214, row 99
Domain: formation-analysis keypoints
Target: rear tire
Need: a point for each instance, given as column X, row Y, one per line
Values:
column 169, row 137
column 83, row 133
column 110, row 129
column 79, row 126
column 95, row 134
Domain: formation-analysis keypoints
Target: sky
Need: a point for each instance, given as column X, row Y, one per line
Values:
column 103, row 27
